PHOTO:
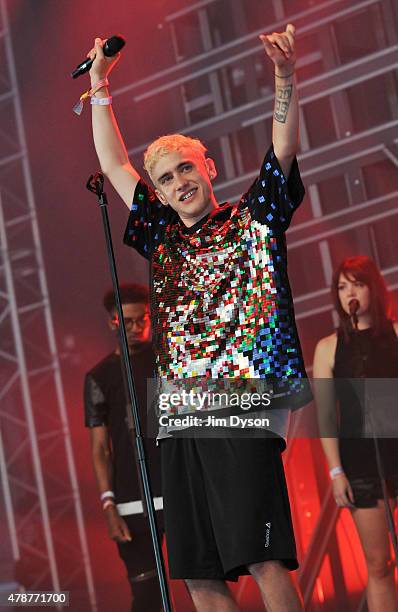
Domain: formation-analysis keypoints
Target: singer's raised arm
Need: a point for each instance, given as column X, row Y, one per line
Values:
column 280, row 48
column 109, row 145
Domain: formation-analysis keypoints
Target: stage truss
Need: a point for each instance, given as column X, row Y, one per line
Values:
column 37, row 471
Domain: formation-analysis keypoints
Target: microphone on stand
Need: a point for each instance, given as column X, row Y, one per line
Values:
column 353, row 306
column 110, row 48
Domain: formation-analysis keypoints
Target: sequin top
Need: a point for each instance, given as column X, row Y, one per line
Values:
column 221, row 299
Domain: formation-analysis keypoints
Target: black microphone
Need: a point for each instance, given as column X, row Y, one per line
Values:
column 110, row 48
column 353, row 306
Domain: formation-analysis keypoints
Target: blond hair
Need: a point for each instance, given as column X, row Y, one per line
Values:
column 166, row 144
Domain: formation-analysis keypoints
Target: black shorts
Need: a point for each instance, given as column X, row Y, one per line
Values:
column 368, row 490
column 225, row 506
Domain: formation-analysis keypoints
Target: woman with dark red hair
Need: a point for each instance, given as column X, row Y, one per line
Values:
column 364, row 346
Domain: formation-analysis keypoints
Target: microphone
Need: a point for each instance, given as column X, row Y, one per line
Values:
column 353, row 306
column 111, row 47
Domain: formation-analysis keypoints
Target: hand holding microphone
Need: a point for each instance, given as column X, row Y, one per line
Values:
column 100, row 61
column 109, row 48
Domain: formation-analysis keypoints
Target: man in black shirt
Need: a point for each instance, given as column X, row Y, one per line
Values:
column 112, row 451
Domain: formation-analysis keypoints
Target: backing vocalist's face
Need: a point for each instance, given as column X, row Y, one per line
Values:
column 352, row 289
column 137, row 322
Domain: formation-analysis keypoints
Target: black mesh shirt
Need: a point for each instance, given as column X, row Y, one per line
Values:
column 105, row 405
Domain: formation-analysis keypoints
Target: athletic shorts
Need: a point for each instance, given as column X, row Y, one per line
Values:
column 225, row 506
column 368, row 490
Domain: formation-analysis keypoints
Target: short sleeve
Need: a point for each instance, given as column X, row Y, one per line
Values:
column 147, row 221
column 95, row 409
column 272, row 199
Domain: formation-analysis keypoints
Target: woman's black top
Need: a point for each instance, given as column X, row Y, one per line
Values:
column 363, row 356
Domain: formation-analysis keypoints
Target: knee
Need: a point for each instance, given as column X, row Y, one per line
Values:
column 198, row 586
column 379, row 566
column 266, row 568
column 194, row 585
column 190, row 584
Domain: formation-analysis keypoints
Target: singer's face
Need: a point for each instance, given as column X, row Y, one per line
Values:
column 352, row 289
column 183, row 181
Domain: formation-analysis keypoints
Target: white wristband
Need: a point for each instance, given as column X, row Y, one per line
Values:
column 106, row 494
column 336, row 471
column 101, row 101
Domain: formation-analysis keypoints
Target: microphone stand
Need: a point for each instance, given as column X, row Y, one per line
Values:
column 379, row 463
column 95, row 184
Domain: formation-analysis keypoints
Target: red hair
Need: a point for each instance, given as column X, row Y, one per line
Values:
column 364, row 270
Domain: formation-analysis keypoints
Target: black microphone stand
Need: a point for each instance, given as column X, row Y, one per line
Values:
column 95, row 184
column 379, row 463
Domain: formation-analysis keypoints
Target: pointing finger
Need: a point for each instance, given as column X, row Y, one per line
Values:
column 291, row 29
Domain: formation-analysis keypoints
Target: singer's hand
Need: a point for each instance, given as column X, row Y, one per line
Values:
column 102, row 65
column 280, row 48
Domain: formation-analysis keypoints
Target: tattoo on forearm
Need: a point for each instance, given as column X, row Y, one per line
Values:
column 282, row 102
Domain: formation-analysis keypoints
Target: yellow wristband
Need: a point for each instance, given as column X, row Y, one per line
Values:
column 78, row 108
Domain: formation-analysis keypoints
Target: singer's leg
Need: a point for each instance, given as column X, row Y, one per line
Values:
column 276, row 586
column 211, row 595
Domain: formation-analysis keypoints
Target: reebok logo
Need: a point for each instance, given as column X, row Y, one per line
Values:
column 267, row 533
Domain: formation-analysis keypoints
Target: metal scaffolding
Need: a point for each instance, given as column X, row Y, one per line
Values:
column 37, row 471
